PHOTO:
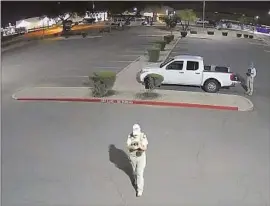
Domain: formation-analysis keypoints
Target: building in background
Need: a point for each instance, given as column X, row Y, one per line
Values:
column 35, row 23
column 157, row 12
column 97, row 16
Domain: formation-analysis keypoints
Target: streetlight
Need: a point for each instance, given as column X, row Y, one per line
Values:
column 257, row 17
column 203, row 12
column 269, row 12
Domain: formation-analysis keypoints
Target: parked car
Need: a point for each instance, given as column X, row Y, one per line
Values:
column 190, row 70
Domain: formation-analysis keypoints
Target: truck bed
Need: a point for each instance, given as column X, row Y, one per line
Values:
column 213, row 68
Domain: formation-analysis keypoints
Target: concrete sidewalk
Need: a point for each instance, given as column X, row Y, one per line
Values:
column 160, row 98
column 126, row 79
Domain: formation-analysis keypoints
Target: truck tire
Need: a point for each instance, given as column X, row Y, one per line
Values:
column 211, row 86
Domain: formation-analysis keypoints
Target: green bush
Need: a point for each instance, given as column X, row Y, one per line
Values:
column 238, row 35
column 153, row 54
column 224, row 33
column 84, row 34
column 167, row 39
column 153, row 81
column 162, row 44
column 193, row 32
column 103, row 82
column 171, row 37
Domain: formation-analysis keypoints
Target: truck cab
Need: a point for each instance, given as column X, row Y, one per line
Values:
column 187, row 71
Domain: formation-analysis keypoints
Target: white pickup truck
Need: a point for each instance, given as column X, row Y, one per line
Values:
column 191, row 71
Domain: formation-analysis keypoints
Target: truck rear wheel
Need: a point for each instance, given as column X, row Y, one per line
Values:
column 211, row 86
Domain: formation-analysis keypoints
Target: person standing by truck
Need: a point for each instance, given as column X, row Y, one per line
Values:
column 137, row 145
column 251, row 74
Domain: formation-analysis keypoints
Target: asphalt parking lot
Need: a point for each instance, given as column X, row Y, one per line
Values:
column 57, row 153
column 67, row 62
column 236, row 54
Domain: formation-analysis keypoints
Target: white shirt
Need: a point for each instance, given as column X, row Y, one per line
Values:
column 253, row 72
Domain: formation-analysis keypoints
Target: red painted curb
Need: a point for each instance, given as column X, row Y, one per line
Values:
column 137, row 102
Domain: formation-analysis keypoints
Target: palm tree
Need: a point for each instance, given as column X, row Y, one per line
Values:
column 244, row 20
column 186, row 16
column 63, row 13
column 171, row 22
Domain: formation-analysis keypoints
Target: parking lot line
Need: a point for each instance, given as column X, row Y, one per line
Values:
column 137, row 52
column 106, row 67
column 267, row 50
column 130, row 55
column 157, row 35
column 122, row 61
column 257, row 44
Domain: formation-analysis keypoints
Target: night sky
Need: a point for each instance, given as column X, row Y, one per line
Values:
column 13, row 11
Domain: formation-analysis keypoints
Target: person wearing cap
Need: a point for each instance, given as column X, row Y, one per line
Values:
column 137, row 145
column 251, row 74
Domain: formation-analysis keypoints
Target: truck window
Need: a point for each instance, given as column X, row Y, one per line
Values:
column 177, row 65
column 192, row 66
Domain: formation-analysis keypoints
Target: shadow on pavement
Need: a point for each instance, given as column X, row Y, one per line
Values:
column 121, row 160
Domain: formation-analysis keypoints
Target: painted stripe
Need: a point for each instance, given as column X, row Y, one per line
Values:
column 130, row 55
column 133, row 102
column 122, row 61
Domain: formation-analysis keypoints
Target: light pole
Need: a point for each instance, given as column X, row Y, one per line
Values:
column 203, row 13
column 43, row 31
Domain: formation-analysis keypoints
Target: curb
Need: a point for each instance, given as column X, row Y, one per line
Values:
column 133, row 102
column 251, row 108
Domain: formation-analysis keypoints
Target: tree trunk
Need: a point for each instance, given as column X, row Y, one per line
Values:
column 183, row 26
column 187, row 25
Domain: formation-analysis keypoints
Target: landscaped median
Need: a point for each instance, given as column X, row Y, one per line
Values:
column 123, row 88
column 163, row 98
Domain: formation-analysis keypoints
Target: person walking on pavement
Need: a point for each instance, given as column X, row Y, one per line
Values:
column 137, row 145
column 251, row 74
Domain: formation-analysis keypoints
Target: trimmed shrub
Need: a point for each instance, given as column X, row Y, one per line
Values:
column 183, row 33
column 210, row 32
column 153, row 54
column 171, row 37
column 103, row 82
column 239, row 35
column 224, row 33
column 250, row 36
column 162, row 44
column 245, row 35
column 193, row 32
column 84, row 34
column 153, row 81
column 167, row 39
